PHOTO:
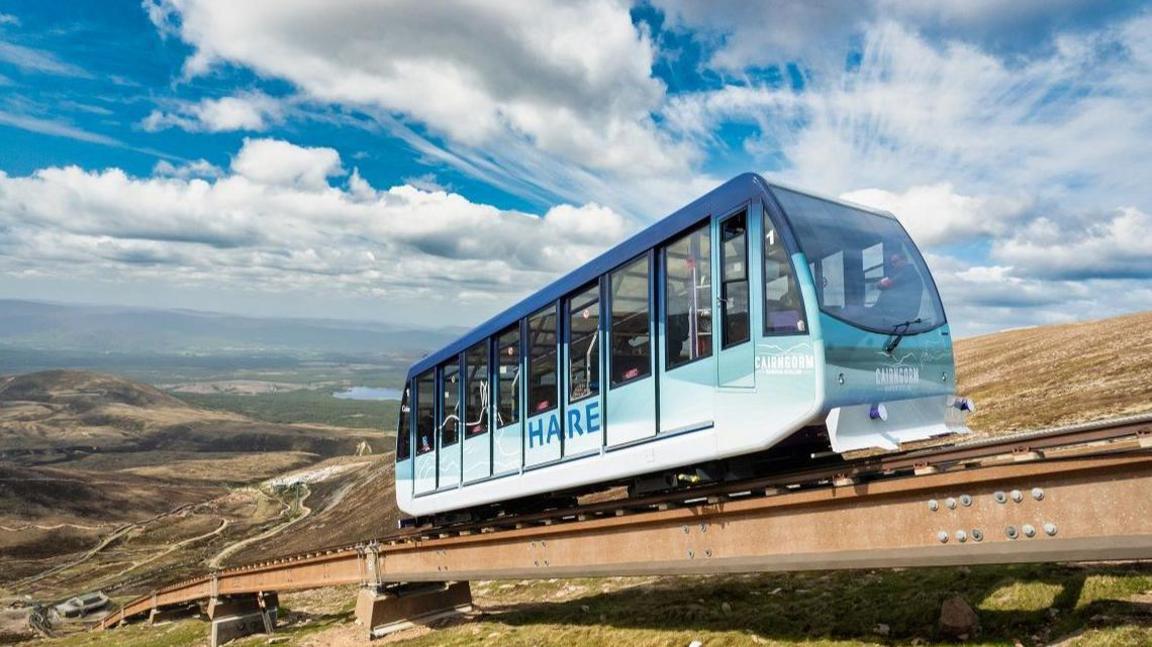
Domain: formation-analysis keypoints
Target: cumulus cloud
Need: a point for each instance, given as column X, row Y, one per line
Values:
column 274, row 222
column 936, row 213
column 277, row 162
column 572, row 78
column 1109, row 246
column 253, row 111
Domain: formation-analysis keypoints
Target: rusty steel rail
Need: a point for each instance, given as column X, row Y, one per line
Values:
column 1069, row 494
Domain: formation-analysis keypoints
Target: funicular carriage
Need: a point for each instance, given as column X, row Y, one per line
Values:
column 754, row 318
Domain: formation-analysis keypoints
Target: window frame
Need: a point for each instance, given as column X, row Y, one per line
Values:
column 768, row 219
column 518, row 384
column 466, row 383
column 405, row 430
column 722, row 299
column 704, row 225
column 529, row 411
column 650, row 255
column 419, row 402
column 440, row 403
column 598, row 333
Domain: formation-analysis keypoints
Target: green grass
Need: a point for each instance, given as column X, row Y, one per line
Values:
column 1030, row 603
column 303, row 406
column 1090, row 606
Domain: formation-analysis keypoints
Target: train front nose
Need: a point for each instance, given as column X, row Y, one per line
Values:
column 887, row 424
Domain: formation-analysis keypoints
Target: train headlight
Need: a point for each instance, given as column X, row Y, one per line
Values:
column 878, row 412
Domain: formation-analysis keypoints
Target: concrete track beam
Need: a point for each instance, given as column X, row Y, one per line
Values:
column 386, row 610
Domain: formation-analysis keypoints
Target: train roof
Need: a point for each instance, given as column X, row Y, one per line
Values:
column 724, row 198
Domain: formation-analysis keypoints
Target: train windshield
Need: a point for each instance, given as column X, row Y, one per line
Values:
column 866, row 269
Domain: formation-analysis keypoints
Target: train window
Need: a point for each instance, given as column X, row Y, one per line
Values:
column 688, row 297
column 508, row 377
column 450, row 404
column 583, row 346
column 425, row 413
column 476, row 391
column 404, row 429
column 867, row 270
column 783, row 308
column 542, row 365
column 631, row 329
column 734, row 280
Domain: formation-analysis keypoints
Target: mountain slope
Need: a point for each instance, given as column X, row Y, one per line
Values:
column 1056, row 375
column 51, row 415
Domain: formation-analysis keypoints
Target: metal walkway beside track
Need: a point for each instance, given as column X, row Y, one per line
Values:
column 1070, row 494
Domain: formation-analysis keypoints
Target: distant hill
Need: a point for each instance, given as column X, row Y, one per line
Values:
column 1055, row 375
column 53, row 415
column 82, row 391
column 65, row 327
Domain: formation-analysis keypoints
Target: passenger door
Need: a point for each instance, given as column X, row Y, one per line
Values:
column 477, row 413
column 630, row 410
column 449, row 450
column 424, row 464
column 687, row 361
column 508, row 437
column 542, row 429
column 737, row 356
column 583, row 418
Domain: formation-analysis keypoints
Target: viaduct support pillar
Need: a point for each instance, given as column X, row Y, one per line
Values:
column 237, row 616
column 384, row 610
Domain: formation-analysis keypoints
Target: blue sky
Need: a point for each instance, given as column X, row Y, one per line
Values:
column 430, row 163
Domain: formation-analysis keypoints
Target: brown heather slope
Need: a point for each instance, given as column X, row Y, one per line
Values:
column 94, row 462
column 1056, row 375
column 57, row 415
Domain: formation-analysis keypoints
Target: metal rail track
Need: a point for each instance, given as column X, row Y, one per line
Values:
column 962, row 502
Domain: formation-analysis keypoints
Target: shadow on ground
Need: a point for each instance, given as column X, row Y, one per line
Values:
column 1030, row 603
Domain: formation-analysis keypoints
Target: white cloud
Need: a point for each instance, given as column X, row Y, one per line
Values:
column 571, row 78
column 818, row 36
column 9, row 19
column 35, row 60
column 920, row 114
column 54, row 127
column 196, row 168
column 252, row 111
column 1115, row 245
column 744, row 34
column 936, row 214
column 274, row 161
column 274, row 224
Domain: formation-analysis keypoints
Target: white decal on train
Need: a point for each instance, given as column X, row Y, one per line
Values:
column 785, row 364
column 897, row 376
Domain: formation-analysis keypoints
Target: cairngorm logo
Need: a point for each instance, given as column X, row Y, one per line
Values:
column 897, row 376
column 786, row 364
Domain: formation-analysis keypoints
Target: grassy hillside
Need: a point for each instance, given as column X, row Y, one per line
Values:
column 1056, row 375
column 304, row 405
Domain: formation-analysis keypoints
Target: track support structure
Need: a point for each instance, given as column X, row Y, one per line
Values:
column 237, row 616
column 383, row 610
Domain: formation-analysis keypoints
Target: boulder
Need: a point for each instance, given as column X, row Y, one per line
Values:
column 957, row 619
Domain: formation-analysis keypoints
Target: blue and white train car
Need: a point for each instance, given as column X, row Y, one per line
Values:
column 718, row 333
